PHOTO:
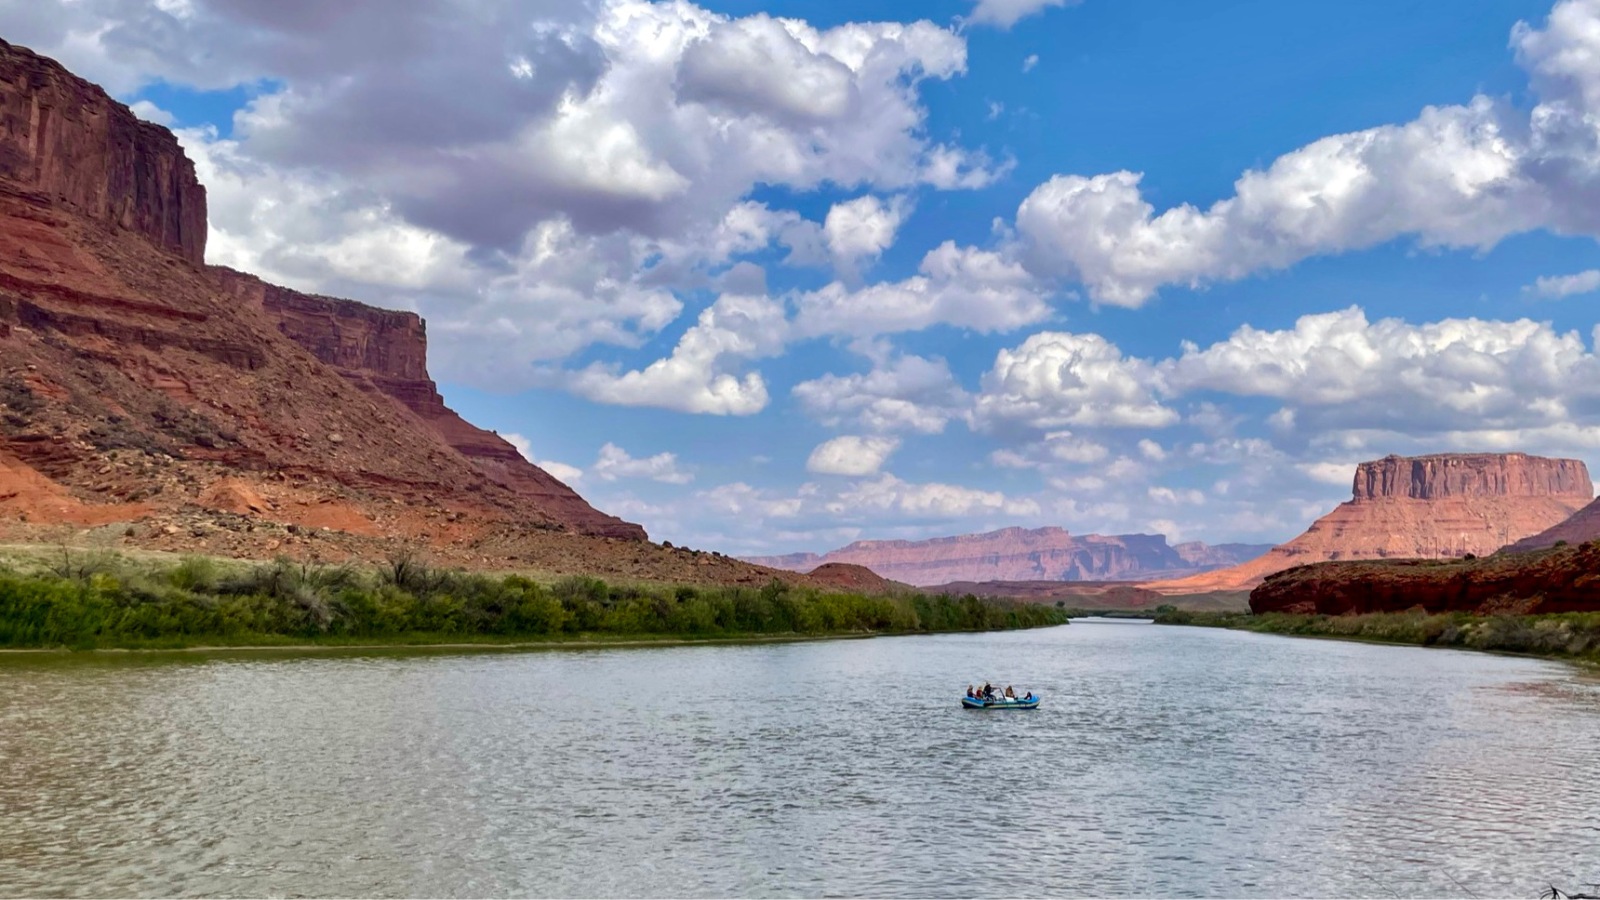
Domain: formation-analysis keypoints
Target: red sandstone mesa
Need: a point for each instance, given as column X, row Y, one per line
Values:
column 200, row 408
column 1424, row 507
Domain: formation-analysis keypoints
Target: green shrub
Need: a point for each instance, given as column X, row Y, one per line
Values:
column 195, row 573
column 85, row 601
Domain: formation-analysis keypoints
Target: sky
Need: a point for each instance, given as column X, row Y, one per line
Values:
column 768, row 276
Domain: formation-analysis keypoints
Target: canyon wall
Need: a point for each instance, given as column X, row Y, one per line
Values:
column 206, row 409
column 66, row 140
column 1440, row 506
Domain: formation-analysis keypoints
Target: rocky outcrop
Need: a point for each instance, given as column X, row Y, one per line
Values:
column 1566, row 579
column 67, row 142
column 354, row 337
column 386, row 351
column 202, row 409
column 1427, row 507
column 856, row 579
column 1017, row 554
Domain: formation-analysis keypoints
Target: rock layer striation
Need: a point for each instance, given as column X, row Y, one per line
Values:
column 385, row 351
column 64, row 140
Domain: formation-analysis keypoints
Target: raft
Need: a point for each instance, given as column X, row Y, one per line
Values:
column 1000, row 703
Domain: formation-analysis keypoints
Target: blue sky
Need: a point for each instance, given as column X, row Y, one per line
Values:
column 772, row 276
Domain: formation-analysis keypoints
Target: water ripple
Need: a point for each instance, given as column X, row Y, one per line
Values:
column 1165, row 761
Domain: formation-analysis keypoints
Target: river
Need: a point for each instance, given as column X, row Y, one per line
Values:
column 1164, row 761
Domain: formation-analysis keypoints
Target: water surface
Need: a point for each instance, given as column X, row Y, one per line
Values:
column 1166, row 761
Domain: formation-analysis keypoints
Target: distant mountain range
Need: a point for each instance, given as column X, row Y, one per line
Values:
column 1022, row 554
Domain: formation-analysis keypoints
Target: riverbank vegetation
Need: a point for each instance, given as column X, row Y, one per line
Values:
column 1559, row 635
column 104, row 601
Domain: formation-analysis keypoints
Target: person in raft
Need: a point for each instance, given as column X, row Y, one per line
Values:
column 1010, row 694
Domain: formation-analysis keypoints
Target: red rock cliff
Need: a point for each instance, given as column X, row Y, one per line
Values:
column 138, row 386
column 1425, row 507
column 386, row 351
column 1452, row 475
column 65, row 139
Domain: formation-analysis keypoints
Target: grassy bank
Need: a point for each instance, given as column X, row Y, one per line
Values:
column 103, row 601
column 1559, row 636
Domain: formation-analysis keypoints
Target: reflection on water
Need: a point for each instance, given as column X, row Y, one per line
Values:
column 1168, row 761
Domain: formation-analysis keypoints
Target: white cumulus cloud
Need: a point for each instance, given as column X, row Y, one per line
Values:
column 851, row 455
column 888, row 494
column 696, row 378
column 1340, row 372
column 1335, row 473
column 1056, row 379
column 1006, row 13
column 1555, row 286
column 959, row 286
column 1461, row 176
column 859, row 230
column 614, row 463
column 1450, row 178
column 900, row 393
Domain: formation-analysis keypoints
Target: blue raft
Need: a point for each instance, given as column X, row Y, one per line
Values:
column 1000, row 703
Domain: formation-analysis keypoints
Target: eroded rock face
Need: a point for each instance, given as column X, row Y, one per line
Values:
column 67, row 141
column 1019, row 554
column 1459, row 475
column 1427, row 507
column 137, row 385
column 386, row 351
